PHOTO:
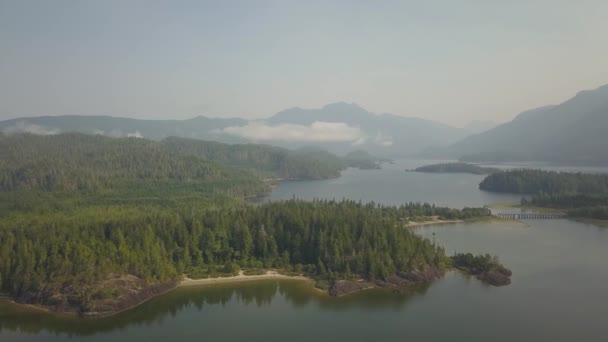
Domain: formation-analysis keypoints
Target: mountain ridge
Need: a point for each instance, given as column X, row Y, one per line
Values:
column 381, row 134
column 570, row 132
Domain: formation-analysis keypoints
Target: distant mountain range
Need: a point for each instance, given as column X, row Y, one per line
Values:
column 575, row 131
column 571, row 132
column 338, row 127
column 198, row 127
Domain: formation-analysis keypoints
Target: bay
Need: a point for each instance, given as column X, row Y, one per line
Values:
column 558, row 290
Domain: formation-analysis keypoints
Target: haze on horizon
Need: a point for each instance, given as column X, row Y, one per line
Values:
column 441, row 60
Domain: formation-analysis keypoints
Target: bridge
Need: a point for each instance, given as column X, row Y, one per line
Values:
column 526, row 216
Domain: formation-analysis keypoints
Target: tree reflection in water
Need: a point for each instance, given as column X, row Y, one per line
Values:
column 298, row 294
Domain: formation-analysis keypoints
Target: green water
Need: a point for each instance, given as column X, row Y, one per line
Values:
column 558, row 291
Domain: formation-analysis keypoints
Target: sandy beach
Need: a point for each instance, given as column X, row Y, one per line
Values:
column 429, row 222
column 238, row 278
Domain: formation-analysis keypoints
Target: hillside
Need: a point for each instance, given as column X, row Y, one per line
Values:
column 381, row 134
column 571, row 132
column 93, row 225
column 267, row 160
column 77, row 165
column 37, row 170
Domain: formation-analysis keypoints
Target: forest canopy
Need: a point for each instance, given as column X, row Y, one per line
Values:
column 580, row 194
column 78, row 210
column 457, row 168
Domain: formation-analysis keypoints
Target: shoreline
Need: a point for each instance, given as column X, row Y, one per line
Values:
column 437, row 221
column 185, row 282
column 241, row 277
column 414, row 224
column 340, row 289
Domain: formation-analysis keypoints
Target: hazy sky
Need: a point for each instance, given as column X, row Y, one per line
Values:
column 451, row 61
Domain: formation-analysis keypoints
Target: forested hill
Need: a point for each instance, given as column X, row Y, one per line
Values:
column 91, row 223
column 64, row 260
column 80, row 162
column 97, row 166
column 270, row 161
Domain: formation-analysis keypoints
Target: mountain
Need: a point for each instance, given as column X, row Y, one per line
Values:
column 381, row 134
column 199, row 127
column 479, row 126
column 571, row 132
column 338, row 127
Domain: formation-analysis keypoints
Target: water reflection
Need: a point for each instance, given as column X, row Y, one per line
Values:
column 297, row 294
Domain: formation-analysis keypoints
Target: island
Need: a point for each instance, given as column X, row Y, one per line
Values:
column 457, row 168
column 485, row 267
column 93, row 225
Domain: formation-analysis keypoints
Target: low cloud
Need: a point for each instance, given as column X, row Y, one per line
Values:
column 318, row 131
column 135, row 134
column 24, row 127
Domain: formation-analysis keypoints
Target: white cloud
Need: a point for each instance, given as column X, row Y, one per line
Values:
column 318, row 131
column 135, row 134
column 24, row 127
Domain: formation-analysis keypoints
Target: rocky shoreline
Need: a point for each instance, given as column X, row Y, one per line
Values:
column 399, row 281
column 134, row 291
column 129, row 301
column 126, row 291
column 500, row 276
column 497, row 277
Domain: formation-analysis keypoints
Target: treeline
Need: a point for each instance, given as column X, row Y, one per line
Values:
column 43, row 256
column 457, row 168
column 566, row 200
column 94, row 164
column 580, row 194
column 596, row 212
column 270, row 161
column 528, row 181
column 78, row 162
column 487, row 268
column 416, row 210
column 86, row 163
column 476, row 264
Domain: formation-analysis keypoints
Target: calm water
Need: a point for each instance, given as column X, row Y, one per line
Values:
column 392, row 185
column 559, row 290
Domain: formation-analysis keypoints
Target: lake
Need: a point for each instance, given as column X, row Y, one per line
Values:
column 558, row 290
column 391, row 185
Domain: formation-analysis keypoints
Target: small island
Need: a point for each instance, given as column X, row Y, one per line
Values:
column 457, row 168
column 485, row 267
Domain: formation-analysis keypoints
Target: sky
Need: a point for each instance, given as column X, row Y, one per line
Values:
column 448, row 61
